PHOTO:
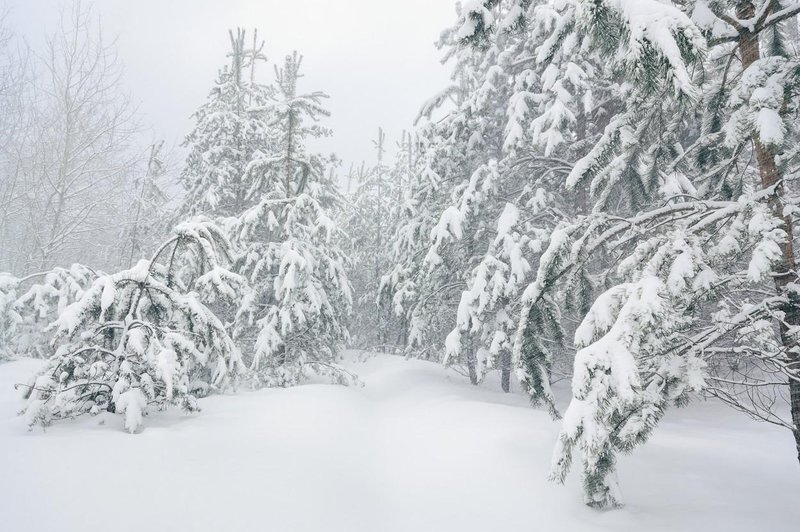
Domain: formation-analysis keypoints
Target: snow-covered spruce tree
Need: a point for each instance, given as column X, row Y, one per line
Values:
column 424, row 293
column 369, row 217
column 148, row 218
column 691, row 228
column 519, row 126
column 9, row 316
column 434, row 251
column 292, row 321
column 231, row 128
column 29, row 304
column 142, row 338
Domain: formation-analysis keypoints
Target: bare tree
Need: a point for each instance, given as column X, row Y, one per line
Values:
column 77, row 150
column 13, row 124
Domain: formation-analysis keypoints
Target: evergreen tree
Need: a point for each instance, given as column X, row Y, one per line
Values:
column 28, row 305
column 231, row 130
column 9, row 315
column 143, row 337
column 293, row 318
column 148, row 218
column 687, row 247
column 510, row 135
column 432, row 260
column 369, row 220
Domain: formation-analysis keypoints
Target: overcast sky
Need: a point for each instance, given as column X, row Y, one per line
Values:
column 375, row 58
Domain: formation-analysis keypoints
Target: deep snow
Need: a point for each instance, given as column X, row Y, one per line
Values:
column 416, row 449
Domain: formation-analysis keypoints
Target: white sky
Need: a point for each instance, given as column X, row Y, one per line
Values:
column 375, row 58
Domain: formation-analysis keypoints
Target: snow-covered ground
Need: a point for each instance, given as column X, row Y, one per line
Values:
column 416, row 449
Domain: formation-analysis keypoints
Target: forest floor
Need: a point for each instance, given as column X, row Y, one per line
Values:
column 416, row 449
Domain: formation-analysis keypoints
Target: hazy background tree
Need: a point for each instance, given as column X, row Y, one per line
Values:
column 73, row 152
column 369, row 217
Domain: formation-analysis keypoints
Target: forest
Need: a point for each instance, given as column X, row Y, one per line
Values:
column 592, row 223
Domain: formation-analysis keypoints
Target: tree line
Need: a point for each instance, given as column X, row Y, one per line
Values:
column 604, row 193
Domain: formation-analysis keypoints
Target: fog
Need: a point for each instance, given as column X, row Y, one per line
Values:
column 329, row 283
column 376, row 59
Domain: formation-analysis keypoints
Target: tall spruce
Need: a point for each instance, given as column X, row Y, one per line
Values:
column 487, row 196
column 293, row 320
column 230, row 130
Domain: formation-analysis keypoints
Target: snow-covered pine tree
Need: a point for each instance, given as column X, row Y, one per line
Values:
column 231, row 129
column 521, row 128
column 143, row 337
column 292, row 321
column 148, row 217
column 433, row 251
column 424, row 293
column 9, row 315
column 369, row 220
column 690, row 233
column 29, row 304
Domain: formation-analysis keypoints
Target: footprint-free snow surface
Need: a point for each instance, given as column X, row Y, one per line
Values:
column 416, row 449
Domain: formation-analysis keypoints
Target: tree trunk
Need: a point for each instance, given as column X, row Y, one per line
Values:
column 505, row 371
column 472, row 365
column 785, row 270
